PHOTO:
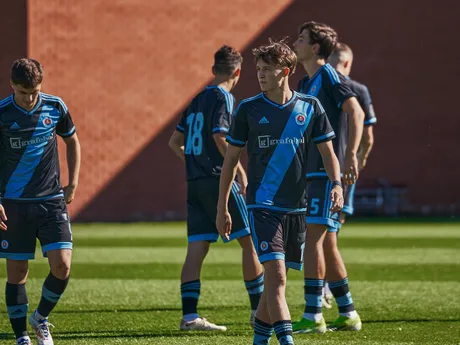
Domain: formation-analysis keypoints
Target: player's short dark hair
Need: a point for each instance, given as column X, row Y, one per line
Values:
column 27, row 73
column 321, row 34
column 277, row 53
column 226, row 60
column 340, row 51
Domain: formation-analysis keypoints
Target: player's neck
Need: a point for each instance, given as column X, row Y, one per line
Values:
column 280, row 96
column 225, row 84
column 24, row 106
column 312, row 66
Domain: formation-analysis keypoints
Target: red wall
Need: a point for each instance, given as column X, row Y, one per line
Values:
column 13, row 26
column 127, row 69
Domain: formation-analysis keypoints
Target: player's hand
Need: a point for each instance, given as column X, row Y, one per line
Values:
column 69, row 193
column 350, row 171
column 337, row 199
column 361, row 162
column 224, row 223
column 2, row 218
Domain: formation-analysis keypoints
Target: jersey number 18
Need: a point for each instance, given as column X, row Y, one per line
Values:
column 195, row 124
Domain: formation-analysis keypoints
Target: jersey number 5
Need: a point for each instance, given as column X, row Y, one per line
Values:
column 195, row 124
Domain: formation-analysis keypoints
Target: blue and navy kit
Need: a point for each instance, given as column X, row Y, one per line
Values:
column 331, row 89
column 29, row 163
column 364, row 99
column 277, row 137
column 208, row 113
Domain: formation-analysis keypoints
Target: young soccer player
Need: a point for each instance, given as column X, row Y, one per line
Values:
column 33, row 202
column 342, row 59
column 313, row 46
column 277, row 127
column 200, row 140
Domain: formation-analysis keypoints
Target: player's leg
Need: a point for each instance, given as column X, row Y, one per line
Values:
column 55, row 235
column 263, row 329
column 17, row 246
column 275, row 272
column 16, row 298
column 312, row 320
column 348, row 319
column 252, row 269
column 201, row 231
column 268, row 236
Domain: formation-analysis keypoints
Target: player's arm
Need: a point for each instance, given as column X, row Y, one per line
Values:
column 176, row 144
column 3, row 217
column 332, row 166
column 222, row 145
column 236, row 138
column 367, row 142
column 355, row 132
column 73, row 152
column 229, row 169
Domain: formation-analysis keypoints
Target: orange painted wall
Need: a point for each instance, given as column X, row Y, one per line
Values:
column 126, row 69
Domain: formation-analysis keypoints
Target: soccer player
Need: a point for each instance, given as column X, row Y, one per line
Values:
column 200, row 140
column 33, row 202
column 277, row 126
column 313, row 46
column 342, row 59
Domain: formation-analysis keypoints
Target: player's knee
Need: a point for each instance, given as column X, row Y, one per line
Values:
column 61, row 270
column 17, row 271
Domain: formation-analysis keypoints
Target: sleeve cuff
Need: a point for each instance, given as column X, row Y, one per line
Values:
column 235, row 142
column 220, row 130
column 370, row 122
column 323, row 138
column 68, row 134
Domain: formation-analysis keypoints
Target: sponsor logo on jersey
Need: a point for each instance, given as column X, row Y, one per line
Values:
column 19, row 143
column 265, row 141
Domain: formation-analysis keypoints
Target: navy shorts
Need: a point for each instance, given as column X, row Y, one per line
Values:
column 348, row 205
column 319, row 204
column 202, row 198
column 46, row 220
column 278, row 236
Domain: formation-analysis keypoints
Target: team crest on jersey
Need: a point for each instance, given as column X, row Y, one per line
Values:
column 47, row 121
column 264, row 246
column 5, row 244
column 300, row 119
column 313, row 89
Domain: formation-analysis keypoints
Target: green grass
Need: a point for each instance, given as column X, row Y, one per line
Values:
column 405, row 280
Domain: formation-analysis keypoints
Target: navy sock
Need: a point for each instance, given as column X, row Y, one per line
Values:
column 313, row 289
column 190, row 293
column 52, row 290
column 342, row 295
column 283, row 330
column 255, row 288
column 262, row 332
column 17, row 305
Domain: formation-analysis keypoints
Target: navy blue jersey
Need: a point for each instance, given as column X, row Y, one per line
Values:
column 277, row 137
column 364, row 99
column 208, row 113
column 331, row 89
column 29, row 162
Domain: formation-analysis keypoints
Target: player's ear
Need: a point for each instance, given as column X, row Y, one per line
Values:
column 286, row 71
column 213, row 70
column 237, row 72
column 346, row 63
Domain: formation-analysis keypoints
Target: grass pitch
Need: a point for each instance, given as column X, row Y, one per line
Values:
column 124, row 289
